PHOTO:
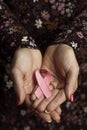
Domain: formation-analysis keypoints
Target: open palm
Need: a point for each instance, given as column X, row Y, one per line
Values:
column 24, row 64
column 61, row 62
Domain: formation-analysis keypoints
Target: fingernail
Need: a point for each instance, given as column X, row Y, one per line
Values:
column 33, row 97
column 58, row 121
column 49, row 121
column 17, row 101
column 72, row 98
column 51, row 87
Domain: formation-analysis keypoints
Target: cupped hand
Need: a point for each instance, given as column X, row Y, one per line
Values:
column 25, row 62
column 60, row 60
column 49, row 117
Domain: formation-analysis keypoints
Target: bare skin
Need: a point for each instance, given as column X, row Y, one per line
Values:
column 61, row 62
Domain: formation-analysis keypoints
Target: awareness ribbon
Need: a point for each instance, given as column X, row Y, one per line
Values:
column 43, row 83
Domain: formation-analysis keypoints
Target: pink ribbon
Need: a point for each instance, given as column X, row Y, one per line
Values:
column 43, row 83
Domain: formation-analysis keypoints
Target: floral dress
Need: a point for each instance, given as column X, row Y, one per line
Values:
column 38, row 24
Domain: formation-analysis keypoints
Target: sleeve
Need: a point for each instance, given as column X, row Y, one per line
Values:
column 74, row 33
column 12, row 34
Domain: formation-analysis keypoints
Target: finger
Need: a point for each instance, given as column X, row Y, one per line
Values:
column 71, row 83
column 58, row 110
column 28, row 102
column 19, row 86
column 37, row 101
column 45, row 117
column 33, row 96
column 42, row 106
column 34, row 99
column 57, row 101
column 28, row 83
column 55, row 116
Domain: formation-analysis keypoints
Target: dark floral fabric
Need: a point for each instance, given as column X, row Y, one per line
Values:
column 38, row 24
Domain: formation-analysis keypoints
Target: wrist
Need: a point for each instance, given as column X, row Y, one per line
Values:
column 30, row 54
column 27, row 51
column 64, row 46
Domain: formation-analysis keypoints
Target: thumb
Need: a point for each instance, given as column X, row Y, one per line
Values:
column 71, row 84
column 19, row 86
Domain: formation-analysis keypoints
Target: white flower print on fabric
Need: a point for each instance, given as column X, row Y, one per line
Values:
column 26, row 128
column 69, row 31
column 35, row 1
column 10, row 30
column 32, row 41
column 74, row 45
column 85, row 109
column 23, row 112
column 24, row 39
column 0, row 7
column 84, row 22
column 68, row 104
column 9, row 84
column 38, row 23
column 28, row 40
column 69, row 9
